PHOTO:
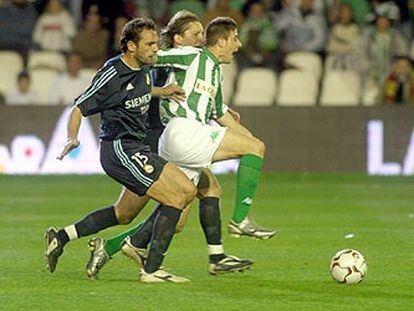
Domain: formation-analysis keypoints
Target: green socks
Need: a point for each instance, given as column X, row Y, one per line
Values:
column 248, row 176
column 113, row 245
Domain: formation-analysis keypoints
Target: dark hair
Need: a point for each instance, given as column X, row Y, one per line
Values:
column 177, row 25
column 133, row 29
column 218, row 28
column 23, row 74
column 402, row 57
column 73, row 53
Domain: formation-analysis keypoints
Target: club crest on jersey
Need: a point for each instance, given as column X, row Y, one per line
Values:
column 148, row 79
column 204, row 88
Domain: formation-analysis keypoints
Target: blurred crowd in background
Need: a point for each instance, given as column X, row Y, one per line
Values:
column 295, row 52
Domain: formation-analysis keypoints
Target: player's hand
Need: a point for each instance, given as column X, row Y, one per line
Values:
column 70, row 145
column 234, row 114
column 173, row 91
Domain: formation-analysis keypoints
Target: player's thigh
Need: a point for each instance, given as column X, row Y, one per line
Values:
column 208, row 185
column 172, row 188
column 129, row 205
column 188, row 143
column 236, row 144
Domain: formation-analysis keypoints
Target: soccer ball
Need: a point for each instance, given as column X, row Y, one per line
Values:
column 348, row 266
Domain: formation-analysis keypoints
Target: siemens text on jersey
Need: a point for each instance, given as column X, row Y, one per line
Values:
column 138, row 101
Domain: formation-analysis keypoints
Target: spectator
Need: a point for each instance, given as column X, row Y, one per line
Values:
column 412, row 49
column 22, row 95
column 17, row 20
column 67, row 86
column 92, row 42
column 398, row 87
column 158, row 10
column 75, row 10
column 234, row 4
column 318, row 5
column 360, row 8
column 380, row 44
column 2, row 100
column 405, row 22
column 343, row 39
column 196, row 7
column 258, row 36
column 222, row 8
column 301, row 29
column 108, row 10
column 119, row 25
column 55, row 28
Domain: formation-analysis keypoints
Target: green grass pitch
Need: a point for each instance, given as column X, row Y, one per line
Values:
column 312, row 212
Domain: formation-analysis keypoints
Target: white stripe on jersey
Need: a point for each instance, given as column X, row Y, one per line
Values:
column 183, row 50
column 101, row 81
column 96, row 83
column 204, row 100
column 188, row 86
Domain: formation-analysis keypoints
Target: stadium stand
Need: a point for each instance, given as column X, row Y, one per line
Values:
column 340, row 88
column 229, row 75
column 306, row 62
column 11, row 64
column 256, row 86
column 41, row 83
column 88, row 74
column 46, row 60
column 300, row 77
column 297, row 88
column 370, row 93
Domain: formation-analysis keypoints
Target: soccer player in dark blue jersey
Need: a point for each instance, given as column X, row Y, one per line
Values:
column 121, row 92
column 184, row 29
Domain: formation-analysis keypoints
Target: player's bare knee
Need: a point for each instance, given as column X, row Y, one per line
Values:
column 213, row 191
column 189, row 192
column 187, row 195
column 258, row 148
column 262, row 148
column 183, row 197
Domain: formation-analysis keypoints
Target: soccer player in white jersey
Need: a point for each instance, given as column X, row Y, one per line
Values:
column 190, row 141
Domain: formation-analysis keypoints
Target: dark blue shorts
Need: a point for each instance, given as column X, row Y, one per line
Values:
column 131, row 163
column 153, row 136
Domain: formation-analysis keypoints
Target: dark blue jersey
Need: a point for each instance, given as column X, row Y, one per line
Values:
column 159, row 77
column 121, row 95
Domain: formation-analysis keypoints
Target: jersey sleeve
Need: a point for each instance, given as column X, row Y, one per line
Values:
column 98, row 95
column 179, row 58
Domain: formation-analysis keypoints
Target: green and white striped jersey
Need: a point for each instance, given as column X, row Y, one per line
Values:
column 200, row 74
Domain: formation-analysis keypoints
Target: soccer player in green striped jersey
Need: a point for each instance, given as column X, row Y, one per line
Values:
column 184, row 29
column 190, row 141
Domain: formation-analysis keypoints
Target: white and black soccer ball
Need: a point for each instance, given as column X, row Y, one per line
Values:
column 348, row 266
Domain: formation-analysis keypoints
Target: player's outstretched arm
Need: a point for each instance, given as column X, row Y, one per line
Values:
column 228, row 120
column 74, row 123
column 171, row 91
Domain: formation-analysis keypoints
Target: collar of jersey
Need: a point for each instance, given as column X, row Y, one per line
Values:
column 212, row 56
column 132, row 68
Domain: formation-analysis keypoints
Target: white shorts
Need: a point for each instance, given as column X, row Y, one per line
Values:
column 190, row 145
